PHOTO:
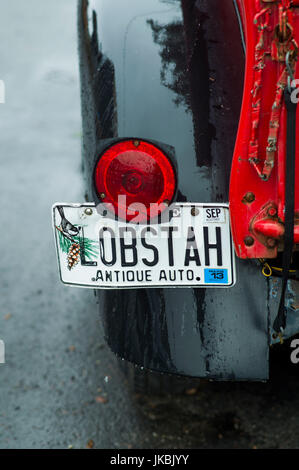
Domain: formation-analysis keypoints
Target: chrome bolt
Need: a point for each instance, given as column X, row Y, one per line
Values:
column 88, row 211
column 102, row 195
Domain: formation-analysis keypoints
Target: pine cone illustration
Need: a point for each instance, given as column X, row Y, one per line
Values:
column 73, row 255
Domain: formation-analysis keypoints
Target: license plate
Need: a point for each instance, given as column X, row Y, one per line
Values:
column 190, row 246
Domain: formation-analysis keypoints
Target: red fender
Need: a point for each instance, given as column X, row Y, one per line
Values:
column 257, row 185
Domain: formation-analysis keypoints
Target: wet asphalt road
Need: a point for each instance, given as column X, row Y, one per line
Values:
column 61, row 386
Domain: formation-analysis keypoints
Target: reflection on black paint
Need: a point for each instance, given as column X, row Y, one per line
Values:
column 104, row 91
column 173, row 55
column 101, row 68
column 202, row 64
column 185, row 71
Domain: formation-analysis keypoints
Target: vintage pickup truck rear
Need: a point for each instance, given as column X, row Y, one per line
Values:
column 192, row 103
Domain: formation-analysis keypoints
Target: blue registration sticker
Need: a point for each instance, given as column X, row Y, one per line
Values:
column 216, row 276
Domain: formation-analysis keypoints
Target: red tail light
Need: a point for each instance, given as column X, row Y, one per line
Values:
column 139, row 172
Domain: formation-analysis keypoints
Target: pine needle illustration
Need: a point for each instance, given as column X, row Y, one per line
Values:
column 76, row 245
column 73, row 255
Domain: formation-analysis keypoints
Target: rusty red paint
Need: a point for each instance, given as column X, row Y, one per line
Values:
column 259, row 157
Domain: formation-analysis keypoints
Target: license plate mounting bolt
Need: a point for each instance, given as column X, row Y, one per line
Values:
column 194, row 211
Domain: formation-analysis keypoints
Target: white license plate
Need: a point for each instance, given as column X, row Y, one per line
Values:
column 190, row 247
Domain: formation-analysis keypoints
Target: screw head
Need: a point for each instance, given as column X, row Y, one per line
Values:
column 102, row 195
column 271, row 242
column 249, row 197
column 88, row 211
column 136, row 143
column 249, row 241
column 272, row 211
column 194, row 211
